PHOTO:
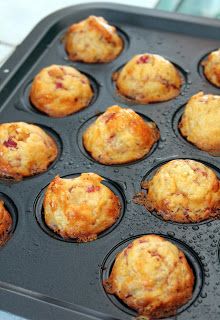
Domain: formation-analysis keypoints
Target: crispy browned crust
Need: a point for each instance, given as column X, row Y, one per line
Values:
column 60, row 91
column 93, row 40
column 151, row 276
column 119, row 136
column 81, row 207
column 200, row 123
column 25, row 150
column 182, row 191
column 148, row 78
column 212, row 67
column 5, row 224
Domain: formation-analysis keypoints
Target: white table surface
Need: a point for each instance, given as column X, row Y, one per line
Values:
column 19, row 17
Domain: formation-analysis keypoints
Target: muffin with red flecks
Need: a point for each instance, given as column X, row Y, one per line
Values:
column 60, row 91
column 148, row 78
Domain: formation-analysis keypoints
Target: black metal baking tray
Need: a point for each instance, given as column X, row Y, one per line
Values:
column 43, row 277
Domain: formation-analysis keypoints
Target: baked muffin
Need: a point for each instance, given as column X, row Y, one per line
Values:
column 93, row 40
column 5, row 224
column 60, row 91
column 25, row 150
column 200, row 123
column 81, row 207
column 148, row 78
column 119, row 136
column 212, row 67
column 151, row 276
column 183, row 191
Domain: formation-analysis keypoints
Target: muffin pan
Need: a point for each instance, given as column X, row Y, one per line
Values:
column 45, row 278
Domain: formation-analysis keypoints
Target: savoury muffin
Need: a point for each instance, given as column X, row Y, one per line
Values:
column 200, row 123
column 5, row 223
column 93, row 40
column 60, row 91
column 81, row 207
column 119, row 136
column 148, row 78
column 183, row 191
column 25, row 150
column 151, row 276
column 212, row 67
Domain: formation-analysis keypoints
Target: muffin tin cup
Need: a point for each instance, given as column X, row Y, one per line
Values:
column 39, row 211
column 201, row 69
column 149, row 175
column 175, row 126
column 130, row 102
column 25, row 103
column 63, row 54
column 52, row 273
column 57, row 139
column 90, row 121
column 11, row 208
column 190, row 255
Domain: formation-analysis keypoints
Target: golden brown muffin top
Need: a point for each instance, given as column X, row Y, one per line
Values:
column 80, row 207
column 119, row 135
column 152, row 276
column 148, row 78
column 212, row 67
column 200, row 123
column 25, row 150
column 183, row 191
column 93, row 40
column 60, row 91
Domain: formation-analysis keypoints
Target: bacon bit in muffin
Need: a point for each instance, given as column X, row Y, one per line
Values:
column 154, row 253
column 59, row 85
column 142, row 240
column 10, row 143
column 93, row 189
column 108, row 117
column 128, row 247
column 143, row 59
column 112, row 136
column 203, row 173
